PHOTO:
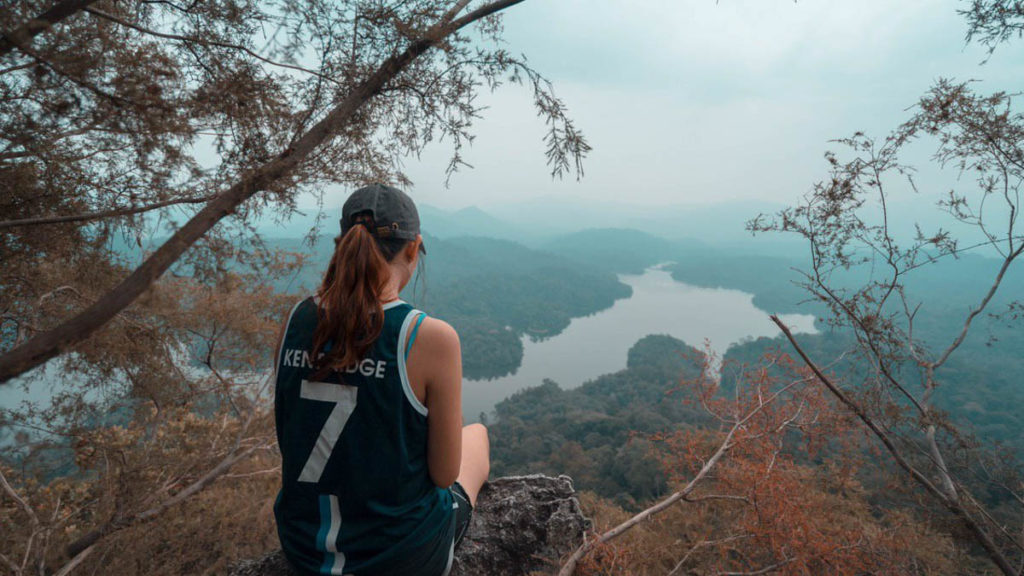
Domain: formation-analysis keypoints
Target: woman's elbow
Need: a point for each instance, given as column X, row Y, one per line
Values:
column 444, row 478
column 444, row 468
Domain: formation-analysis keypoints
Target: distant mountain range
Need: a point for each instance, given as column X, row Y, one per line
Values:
column 471, row 221
column 539, row 222
column 622, row 250
column 553, row 215
column 436, row 222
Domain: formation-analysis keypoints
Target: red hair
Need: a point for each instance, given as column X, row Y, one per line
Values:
column 349, row 305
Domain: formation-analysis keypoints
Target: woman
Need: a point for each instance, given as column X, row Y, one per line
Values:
column 378, row 474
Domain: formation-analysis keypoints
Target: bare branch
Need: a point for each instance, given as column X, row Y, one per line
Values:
column 21, row 36
column 704, row 543
column 113, row 213
column 202, row 42
column 766, row 570
column 75, row 561
column 993, row 22
column 727, row 443
column 10, row 565
column 18, row 499
column 981, row 307
column 954, row 506
column 90, row 539
column 570, row 566
column 197, row 486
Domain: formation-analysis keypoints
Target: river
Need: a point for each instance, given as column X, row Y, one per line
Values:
column 591, row 345
column 598, row 344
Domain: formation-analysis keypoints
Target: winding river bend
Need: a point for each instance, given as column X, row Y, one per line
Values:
column 591, row 345
column 598, row 344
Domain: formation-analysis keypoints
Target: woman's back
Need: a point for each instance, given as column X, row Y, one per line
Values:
column 356, row 494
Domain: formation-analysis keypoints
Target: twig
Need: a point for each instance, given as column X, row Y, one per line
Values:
column 100, row 214
column 765, row 570
column 21, row 36
column 13, row 567
column 570, row 566
column 984, row 302
column 202, row 42
column 18, row 499
column 74, row 562
column 250, row 474
column 90, row 539
column 702, row 544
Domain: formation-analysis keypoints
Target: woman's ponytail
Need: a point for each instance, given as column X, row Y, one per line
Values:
column 351, row 314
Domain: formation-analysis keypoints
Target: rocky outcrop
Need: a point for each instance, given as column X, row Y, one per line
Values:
column 521, row 524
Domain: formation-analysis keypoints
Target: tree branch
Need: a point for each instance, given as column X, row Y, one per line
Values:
column 136, row 27
column 974, row 313
column 18, row 499
column 100, row 214
column 954, row 506
column 90, row 539
column 10, row 565
column 765, row 570
column 47, row 345
column 702, row 544
column 570, row 565
column 21, row 36
column 75, row 561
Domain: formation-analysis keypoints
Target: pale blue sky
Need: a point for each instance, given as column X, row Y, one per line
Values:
column 690, row 102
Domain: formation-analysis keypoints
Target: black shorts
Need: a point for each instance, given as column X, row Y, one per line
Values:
column 463, row 513
column 459, row 526
column 435, row 559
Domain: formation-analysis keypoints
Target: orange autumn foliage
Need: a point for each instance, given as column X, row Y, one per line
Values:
column 785, row 500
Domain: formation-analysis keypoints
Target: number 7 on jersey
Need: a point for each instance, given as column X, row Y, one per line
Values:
column 344, row 398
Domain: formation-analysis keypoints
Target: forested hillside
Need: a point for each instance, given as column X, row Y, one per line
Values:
column 983, row 381
column 492, row 291
column 596, row 432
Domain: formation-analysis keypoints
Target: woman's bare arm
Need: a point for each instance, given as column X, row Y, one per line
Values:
column 437, row 354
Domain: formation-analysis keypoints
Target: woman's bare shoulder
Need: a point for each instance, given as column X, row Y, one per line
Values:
column 437, row 354
column 437, row 334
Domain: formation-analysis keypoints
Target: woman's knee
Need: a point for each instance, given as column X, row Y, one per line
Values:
column 478, row 432
column 477, row 436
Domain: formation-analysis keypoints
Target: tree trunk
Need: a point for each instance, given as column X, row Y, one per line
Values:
column 49, row 344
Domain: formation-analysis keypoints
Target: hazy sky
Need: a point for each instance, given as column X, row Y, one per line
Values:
column 689, row 101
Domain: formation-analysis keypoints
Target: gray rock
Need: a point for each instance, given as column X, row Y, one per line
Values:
column 521, row 524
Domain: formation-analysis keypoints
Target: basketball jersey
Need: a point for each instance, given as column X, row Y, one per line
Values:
column 356, row 496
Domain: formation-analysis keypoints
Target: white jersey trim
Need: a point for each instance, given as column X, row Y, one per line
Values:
column 335, row 560
column 406, row 387
column 451, row 556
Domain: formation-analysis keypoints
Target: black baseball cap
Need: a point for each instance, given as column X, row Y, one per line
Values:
column 394, row 213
